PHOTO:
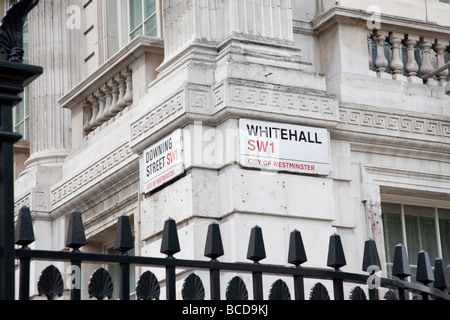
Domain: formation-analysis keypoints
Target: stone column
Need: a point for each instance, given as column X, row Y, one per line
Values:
column 192, row 21
column 55, row 46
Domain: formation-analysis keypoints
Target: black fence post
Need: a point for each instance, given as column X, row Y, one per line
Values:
column 14, row 77
column 124, row 243
column 170, row 245
column 297, row 256
column 336, row 260
column 424, row 271
column 24, row 236
column 439, row 276
column 372, row 264
column 214, row 250
column 257, row 252
column 401, row 268
column 76, row 239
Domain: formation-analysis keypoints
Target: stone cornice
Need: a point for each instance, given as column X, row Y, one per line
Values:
column 96, row 178
column 392, row 23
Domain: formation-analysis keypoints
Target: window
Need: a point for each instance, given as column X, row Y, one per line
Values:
column 418, row 228
column 143, row 18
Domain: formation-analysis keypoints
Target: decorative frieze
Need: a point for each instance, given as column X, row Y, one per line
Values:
column 292, row 101
column 170, row 108
column 89, row 176
column 389, row 123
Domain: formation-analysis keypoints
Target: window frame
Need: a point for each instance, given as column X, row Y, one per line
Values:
column 401, row 201
column 156, row 14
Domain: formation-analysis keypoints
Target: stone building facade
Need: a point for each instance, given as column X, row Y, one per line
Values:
column 360, row 139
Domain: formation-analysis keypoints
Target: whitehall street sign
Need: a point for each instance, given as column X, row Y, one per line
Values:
column 162, row 162
column 284, row 147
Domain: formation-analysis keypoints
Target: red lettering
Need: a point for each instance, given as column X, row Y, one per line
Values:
column 251, row 145
column 262, row 146
column 172, row 157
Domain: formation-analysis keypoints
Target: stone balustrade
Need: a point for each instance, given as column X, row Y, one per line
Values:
column 407, row 55
column 108, row 101
column 113, row 88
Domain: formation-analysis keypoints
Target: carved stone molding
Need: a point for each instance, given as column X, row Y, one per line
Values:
column 24, row 201
column 171, row 108
column 90, row 176
column 394, row 124
column 234, row 99
column 286, row 100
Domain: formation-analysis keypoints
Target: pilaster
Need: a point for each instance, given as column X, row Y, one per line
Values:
column 52, row 44
column 55, row 46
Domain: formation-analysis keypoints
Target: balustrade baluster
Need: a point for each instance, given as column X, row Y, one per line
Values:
column 115, row 97
column 108, row 99
column 94, row 104
column 381, row 62
column 87, row 116
column 425, row 44
column 129, row 84
column 395, row 39
column 121, row 104
column 101, row 106
column 369, row 40
column 411, row 67
column 440, row 46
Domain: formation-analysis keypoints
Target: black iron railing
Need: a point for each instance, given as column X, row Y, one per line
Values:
column 431, row 285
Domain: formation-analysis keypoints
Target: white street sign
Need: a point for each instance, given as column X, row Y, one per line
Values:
column 284, row 147
column 162, row 162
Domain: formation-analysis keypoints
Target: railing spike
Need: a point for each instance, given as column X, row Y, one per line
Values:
column 297, row 254
column 24, row 234
column 401, row 266
column 214, row 245
column 256, row 250
column 170, row 244
column 124, row 238
column 336, row 256
column 424, row 271
column 440, row 283
column 370, row 257
column 76, row 237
